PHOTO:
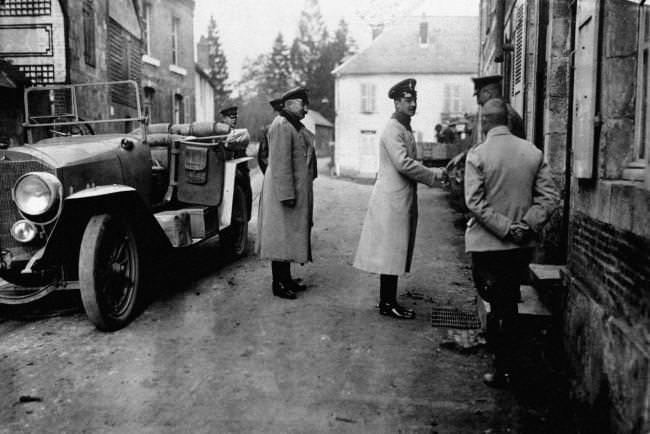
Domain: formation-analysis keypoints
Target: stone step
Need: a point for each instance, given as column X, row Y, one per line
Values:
column 530, row 305
column 546, row 274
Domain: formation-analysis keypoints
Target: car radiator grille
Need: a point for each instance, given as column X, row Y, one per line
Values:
column 10, row 171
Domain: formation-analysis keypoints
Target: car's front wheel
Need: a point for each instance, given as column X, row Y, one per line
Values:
column 110, row 272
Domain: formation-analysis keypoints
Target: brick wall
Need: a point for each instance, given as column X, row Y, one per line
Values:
column 614, row 267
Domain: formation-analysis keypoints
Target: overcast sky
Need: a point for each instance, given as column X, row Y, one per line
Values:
column 248, row 27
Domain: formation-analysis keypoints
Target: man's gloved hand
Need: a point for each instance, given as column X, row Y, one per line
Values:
column 520, row 233
column 289, row 203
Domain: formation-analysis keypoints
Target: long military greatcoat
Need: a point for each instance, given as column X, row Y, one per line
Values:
column 388, row 234
column 284, row 233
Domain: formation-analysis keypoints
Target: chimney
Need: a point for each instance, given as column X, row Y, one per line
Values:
column 376, row 30
column 203, row 52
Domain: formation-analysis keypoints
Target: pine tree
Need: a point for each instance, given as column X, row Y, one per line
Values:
column 278, row 69
column 217, row 65
column 306, row 47
column 343, row 46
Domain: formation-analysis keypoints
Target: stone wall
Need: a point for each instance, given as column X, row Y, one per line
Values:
column 607, row 322
column 158, row 72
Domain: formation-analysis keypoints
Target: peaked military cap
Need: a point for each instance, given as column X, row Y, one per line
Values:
column 276, row 103
column 402, row 89
column 229, row 111
column 481, row 82
column 295, row 93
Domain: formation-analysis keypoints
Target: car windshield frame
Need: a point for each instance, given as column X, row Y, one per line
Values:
column 30, row 121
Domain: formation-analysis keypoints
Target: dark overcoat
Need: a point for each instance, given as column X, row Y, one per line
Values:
column 388, row 234
column 284, row 233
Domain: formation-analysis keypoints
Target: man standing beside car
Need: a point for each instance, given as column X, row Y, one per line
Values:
column 286, row 200
column 388, row 234
column 510, row 194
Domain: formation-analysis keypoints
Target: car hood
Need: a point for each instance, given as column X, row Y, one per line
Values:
column 66, row 151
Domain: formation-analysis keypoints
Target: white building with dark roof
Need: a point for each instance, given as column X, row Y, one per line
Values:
column 441, row 53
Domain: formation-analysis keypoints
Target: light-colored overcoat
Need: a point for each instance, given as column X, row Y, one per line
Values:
column 388, row 234
column 506, row 180
column 284, row 233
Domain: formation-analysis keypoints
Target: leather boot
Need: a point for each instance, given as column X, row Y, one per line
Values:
column 283, row 291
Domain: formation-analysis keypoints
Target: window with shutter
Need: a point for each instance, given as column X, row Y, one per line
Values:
column 89, row 32
column 518, row 67
column 124, row 63
column 368, row 97
column 147, row 28
column 584, row 91
column 642, row 118
column 451, row 100
column 175, row 28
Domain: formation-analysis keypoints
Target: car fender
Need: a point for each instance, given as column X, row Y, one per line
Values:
column 65, row 239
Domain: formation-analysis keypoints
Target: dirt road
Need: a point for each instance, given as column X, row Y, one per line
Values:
column 218, row 353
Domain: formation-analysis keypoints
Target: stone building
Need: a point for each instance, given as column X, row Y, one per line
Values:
column 578, row 73
column 70, row 42
column 168, row 69
column 439, row 52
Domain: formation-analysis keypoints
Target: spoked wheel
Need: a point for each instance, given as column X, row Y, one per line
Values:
column 109, row 272
column 234, row 238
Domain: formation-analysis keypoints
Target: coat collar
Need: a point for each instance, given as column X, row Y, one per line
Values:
column 403, row 119
column 293, row 120
column 498, row 131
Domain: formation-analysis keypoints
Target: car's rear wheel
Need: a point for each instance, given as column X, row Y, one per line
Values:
column 110, row 272
column 234, row 239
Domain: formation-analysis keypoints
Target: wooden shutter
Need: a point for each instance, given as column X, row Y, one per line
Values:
column 518, row 38
column 364, row 98
column 584, row 92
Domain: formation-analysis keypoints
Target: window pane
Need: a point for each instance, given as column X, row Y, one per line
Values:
column 147, row 28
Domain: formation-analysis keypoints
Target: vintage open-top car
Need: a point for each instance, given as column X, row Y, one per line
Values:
column 96, row 212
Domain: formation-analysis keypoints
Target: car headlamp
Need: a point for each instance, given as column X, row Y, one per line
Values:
column 36, row 193
column 23, row 231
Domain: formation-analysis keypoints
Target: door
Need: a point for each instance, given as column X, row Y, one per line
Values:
column 368, row 152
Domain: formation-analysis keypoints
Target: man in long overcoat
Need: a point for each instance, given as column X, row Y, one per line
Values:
column 510, row 194
column 286, row 202
column 388, row 234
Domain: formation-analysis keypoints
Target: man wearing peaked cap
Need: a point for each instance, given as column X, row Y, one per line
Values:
column 286, row 202
column 229, row 115
column 487, row 88
column 404, row 88
column 263, row 151
column 296, row 93
column 388, row 234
